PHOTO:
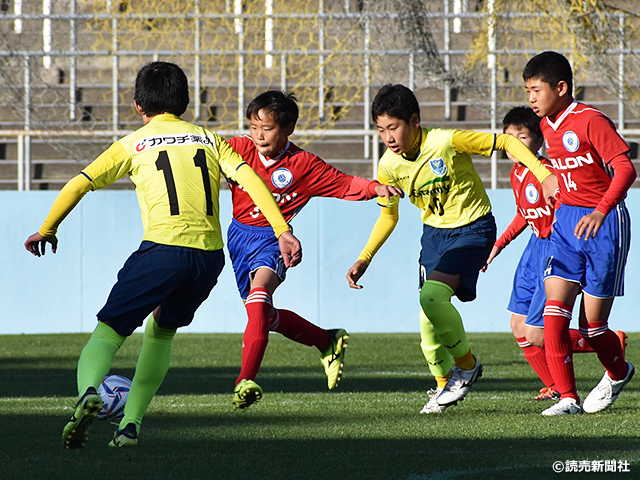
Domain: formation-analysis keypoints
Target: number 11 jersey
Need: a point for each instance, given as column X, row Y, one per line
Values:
column 176, row 168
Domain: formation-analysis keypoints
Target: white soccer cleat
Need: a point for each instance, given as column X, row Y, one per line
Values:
column 606, row 392
column 432, row 406
column 566, row 406
column 459, row 384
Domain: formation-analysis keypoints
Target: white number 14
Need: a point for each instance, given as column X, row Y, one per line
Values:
column 568, row 182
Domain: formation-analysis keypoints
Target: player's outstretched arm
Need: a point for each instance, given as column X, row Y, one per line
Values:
column 355, row 272
column 36, row 244
column 290, row 249
column 67, row 199
column 495, row 251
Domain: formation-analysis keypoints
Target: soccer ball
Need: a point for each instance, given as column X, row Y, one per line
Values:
column 114, row 391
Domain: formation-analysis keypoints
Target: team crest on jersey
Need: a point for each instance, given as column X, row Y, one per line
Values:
column 281, row 178
column 570, row 141
column 438, row 167
column 531, row 193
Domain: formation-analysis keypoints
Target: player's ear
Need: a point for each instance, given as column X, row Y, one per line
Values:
column 562, row 88
column 288, row 130
column 138, row 108
column 414, row 121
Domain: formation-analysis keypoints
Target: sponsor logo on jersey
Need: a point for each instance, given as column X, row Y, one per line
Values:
column 281, row 178
column 169, row 140
column 533, row 213
column 438, row 167
column 570, row 141
column 531, row 193
column 571, row 162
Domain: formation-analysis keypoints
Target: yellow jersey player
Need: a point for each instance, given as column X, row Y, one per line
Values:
column 433, row 166
column 176, row 169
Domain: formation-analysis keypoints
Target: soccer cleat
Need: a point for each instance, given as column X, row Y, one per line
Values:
column 459, row 384
column 623, row 341
column 566, row 406
column 126, row 437
column 548, row 393
column 333, row 357
column 606, row 392
column 246, row 393
column 432, row 406
column 74, row 434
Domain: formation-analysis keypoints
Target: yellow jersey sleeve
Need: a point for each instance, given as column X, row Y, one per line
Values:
column 520, row 151
column 474, row 143
column 112, row 164
column 262, row 197
column 383, row 227
column 67, row 199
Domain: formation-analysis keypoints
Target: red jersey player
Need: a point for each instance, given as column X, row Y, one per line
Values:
column 294, row 177
column 590, row 239
column 528, row 296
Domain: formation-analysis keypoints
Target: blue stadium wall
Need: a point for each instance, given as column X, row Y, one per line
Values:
column 61, row 293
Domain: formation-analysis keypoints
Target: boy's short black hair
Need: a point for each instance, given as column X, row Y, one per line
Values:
column 550, row 67
column 162, row 87
column 395, row 101
column 523, row 117
column 281, row 105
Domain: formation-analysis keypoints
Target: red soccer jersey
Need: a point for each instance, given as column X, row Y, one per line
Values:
column 294, row 177
column 531, row 207
column 581, row 141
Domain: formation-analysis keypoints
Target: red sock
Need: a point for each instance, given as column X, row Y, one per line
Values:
column 557, row 346
column 579, row 343
column 256, row 335
column 296, row 328
column 607, row 346
column 536, row 358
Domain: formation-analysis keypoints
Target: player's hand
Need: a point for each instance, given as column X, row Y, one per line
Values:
column 36, row 244
column 550, row 189
column 290, row 249
column 355, row 272
column 495, row 251
column 589, row 225
column 388, row 191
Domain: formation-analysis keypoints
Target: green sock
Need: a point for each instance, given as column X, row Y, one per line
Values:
column 435, row 298
column 96, row 357
column 153, row 365
column 438, row 357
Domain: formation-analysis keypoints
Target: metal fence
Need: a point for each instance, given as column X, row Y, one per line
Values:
column 67, row 72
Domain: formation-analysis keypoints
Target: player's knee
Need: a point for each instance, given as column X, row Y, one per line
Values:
column 434, row 295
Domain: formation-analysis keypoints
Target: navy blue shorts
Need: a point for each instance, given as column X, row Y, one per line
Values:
column 251, row 248
column 458, row 251
column 528, row 296
column 176, row 279
column 596, row 264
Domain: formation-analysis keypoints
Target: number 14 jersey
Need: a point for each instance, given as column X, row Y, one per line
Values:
column 580, row 143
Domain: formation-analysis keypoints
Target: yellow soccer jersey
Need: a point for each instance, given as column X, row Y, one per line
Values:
column 175, row 167
column 441, row 181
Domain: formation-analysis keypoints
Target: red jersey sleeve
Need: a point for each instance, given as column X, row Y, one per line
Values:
column 328, row 181
column 515, row 228
column 623, row 178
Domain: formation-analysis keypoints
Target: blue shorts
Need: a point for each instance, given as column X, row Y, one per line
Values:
column 458, row 251
column 528, row 297
column 596, row 264
column 251, row 248
column 175, row 279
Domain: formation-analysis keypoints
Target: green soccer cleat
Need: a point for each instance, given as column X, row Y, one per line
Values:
column 333, row 357
column 246, row 393
column 127, row 437
column 74, row 434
